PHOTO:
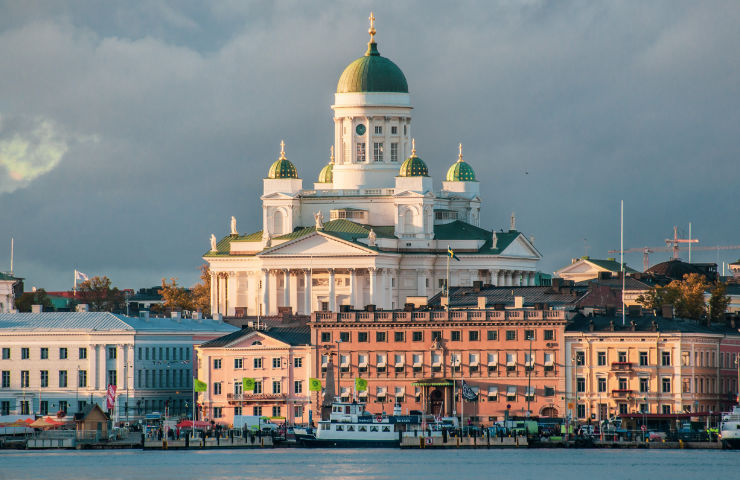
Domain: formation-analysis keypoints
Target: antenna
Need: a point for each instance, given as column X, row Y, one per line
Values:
column 12, row 241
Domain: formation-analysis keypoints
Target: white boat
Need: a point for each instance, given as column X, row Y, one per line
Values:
column 350, row 425
column 729, row 429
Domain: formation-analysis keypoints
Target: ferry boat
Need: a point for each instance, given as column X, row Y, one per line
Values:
column 729, row 429
column 351, row 425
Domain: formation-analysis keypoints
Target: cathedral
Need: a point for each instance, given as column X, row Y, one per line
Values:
column 372, row 230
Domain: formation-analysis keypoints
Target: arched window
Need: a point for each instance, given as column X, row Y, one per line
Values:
column 408, row 221
column 277, row 222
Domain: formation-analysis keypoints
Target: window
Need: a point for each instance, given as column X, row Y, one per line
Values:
column 25, row 353
column 298, row 362
column 399, row 336
column 686, row 385
column 380, row 336
column 436, row 335
column 217, row 412
column 82, row 378
column 298, row 386
column 665, row 359
column 63, row 353
column 622, row 357
column 257, row 386
column 360, row 151
column 404, row 130
column 25, row 407
column 44, row 378
column 686, row 358
column 528, row 334
column 549, row 334
column 492, row 335
column 362, row 337
column 113, row 378
column 62, row 379
column 601, row 358
column 601, row 384
column 378, row 151
column 644, row 386
column 257, row 411
column 6, row 354
column 455, row 335
column 257, row 362
column 44, row 353
column 237, row 410
column 6, row 379
column 5, row 407
column 276, row 411
column 580, row 385
column 666, row 385
column 666, row 409
column 581, row 410
column 511, row 335
column 344, row 336
column 326, row 337
column 549, row 392
column 276, row 362
column 298, row 411
column 622, row 408
column 112, row 355
column 238, row 363
column 25, row 378
column 216, row 363
column 276, row 386
column 378, row 129
column 580, row 358
column 417, row 336
column 473, row 335
column 217, row 388
column 394, row 151
column 643, row 359
column 394, row 130
column 44, row 407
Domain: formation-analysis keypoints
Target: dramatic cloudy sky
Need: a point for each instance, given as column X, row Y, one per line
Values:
column 129, row 131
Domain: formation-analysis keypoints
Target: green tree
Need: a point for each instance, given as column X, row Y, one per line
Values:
column 27, row 299
column 98, row 294
column 175, row 297
column 718, row 302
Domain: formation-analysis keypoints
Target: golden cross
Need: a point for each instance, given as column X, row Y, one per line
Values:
column 282, row 149
column 371, row 31
column 332, row 154
column 413, row 147
column 460, row 157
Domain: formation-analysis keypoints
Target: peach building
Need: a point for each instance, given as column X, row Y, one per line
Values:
column 419, row 359
column 278, row 359
column 652, row 365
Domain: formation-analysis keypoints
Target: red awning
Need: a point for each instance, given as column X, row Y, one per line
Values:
column 189, row 424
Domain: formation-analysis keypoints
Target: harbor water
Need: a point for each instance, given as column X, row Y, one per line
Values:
column 338, row 464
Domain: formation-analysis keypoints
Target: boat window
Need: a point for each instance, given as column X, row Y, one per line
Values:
column 346, row 409
column 340, row 428
column 325, row 426
column 373, row 429
column 386, row 429
column 362, row 429
column 350, row 428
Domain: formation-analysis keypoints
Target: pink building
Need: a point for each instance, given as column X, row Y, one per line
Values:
column 278, row 359
column 729, row 371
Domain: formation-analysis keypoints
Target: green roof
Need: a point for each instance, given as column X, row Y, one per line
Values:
column 372, row 73
column 611, row 265
column 282, row 168
column 7, row 276
column 460, row 171
column 413, row 167
column 326, row 175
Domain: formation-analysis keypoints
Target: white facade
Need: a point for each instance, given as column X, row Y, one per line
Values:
column 371, row 235
column 7, row 293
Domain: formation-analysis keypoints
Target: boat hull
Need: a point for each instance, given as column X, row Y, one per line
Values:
column 337, row 443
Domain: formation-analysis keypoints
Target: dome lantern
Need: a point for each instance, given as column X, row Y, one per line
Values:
column 460, row 171
column 413, row 166
column 326, row 175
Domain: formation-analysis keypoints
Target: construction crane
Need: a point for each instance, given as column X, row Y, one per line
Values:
column 673, row 245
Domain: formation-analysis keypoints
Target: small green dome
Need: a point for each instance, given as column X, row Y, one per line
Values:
column 414, row 167
column 372, row 73
column 282, row 168
column 326, row 175
column 460, row 171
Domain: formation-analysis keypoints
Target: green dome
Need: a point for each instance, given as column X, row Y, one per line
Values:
column 414, row 167
column 282, row 168
column 460, row 171
column 372, row 73
column 326, row 175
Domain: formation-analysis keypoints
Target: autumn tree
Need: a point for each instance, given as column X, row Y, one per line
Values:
column 98, row 294
column 686, row 296
column 27, row 299
column 718, row 302
column 201, row 292
column 175, row 297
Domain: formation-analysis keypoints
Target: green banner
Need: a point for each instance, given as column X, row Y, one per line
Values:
column 314, row 385
column 360, row 384
column 199, row 386
column 247, row 384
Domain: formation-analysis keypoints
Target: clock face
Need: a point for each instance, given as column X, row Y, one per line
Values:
column 360, row 129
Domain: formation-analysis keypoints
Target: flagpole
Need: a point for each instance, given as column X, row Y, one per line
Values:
column 621, row 252
column 447, row 282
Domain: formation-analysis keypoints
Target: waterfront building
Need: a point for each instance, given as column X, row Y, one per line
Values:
column 64, row 361
column 372, row 230
column 512, row 360
column 654, row 365
column 278, row 360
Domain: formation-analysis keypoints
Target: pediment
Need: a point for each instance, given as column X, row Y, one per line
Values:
column 580, row 266
column 318, row 244
column 277, row 195
column 255, row 340
column 413, row 194
column 521, row 247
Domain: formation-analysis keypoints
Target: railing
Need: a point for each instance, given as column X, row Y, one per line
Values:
column 622, row 366
column 423, row 316
column 621, row 392
column 241, row 397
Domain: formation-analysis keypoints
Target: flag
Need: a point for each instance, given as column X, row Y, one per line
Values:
column 110, row 397
column 80, row 276
column 452, row 254
column 247, row 384
column 314, row 385
column 468, row 393
column 360, row 384
column 199, row 386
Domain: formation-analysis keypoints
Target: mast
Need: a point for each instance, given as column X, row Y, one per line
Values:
column 621, row 254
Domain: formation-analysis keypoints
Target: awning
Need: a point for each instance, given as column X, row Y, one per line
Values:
column 510, row 360
column 433, row 382
column 344, row 361
column 474, row 359
column 528, row 360
column 399, row 360
column 400, row 391
column 344, row 392
column 511, row 391
column 548, row 359
column 362, row 361
column 380, row 391
column 492, row 391
column 324, row 360
column 529, row 391
column 492, row 359
column 362, row 394
column 455, row 360
column 417, row 360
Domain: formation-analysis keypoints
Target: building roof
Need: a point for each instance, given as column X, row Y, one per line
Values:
column 104, row 321
column 282, row 168
column 372, row 73
column 629, row 283
column 609, row 264
column 581, row 323
column 7, row 276
column 293, row 336
column 460, row 171
column 413, row 167
column 467, row 297
column 326, row 175
column 675, row 269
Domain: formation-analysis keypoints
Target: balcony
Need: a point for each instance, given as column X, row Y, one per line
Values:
column 235, row 398
column 621, row 393
column 622, row 366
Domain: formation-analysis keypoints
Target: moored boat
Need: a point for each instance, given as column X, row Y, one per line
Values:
column 729, row 430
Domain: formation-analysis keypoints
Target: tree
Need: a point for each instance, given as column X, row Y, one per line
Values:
column 175, row 297
column 718, row 302
column 201, row 292
column 27, row 299
column 686, row 296
column 99, row 296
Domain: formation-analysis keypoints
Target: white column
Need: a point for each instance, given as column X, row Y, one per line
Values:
column 265, row 291
column 307, row 293
column 286, row 287
column 388, row 290
column 102, row 370
column 294, row 292
column 332, row 293
column 372, row 271
column 353, row 287
column 96, row 370
column 421, row 286
column 231, row 292
column 214, row 293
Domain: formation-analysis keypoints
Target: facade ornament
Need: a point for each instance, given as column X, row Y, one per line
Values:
column 494, row 241
column 319, row 219
column 371, row 238
column 233, row 226
column 213, row 243
column 267, row 239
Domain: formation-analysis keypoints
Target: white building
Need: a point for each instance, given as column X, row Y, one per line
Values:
column 372, row 230
column 51, row 362
column 8, row 290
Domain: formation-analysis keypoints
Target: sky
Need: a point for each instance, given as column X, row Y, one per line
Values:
column 131, row 131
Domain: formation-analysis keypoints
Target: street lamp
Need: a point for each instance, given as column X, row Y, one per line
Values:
column 530, row 367
column 339, row 367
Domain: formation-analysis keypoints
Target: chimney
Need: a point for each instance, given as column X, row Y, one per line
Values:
column 83, row 307
column 667, row 311
column 518, row 302
column 482, row 303
column 477, row 286
column 591, row 326
column 37, row 308
column 556, row 283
